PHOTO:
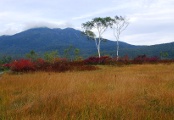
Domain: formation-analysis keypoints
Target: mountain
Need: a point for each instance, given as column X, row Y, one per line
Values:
column 45, row 39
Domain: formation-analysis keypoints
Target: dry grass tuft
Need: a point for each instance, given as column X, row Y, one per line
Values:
column 135, row 92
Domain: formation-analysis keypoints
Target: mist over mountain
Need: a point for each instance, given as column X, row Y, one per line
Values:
column 45, row 39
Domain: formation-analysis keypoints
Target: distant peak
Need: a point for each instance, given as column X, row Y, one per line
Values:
column 69, row 28
column 46, row 28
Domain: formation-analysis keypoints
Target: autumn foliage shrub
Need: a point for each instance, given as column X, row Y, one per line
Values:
column 144, row 59
column 97, row 60
column 62, row 64
column 41, row 65
column 106, row 60
column 58, row 65
column 82, row 66
column 22, row 65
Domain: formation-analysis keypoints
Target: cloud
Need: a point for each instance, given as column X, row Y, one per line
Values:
column 12, row 28
column 47, row 24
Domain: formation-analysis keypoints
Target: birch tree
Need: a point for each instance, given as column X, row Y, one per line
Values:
column 100, row 24
column 118, row 26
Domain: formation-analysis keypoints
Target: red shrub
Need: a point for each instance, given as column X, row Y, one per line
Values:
column 39, row 63
column 144, row 59
column 22, row 65
column 59, row 65
column 81, row 66
column 97, row 60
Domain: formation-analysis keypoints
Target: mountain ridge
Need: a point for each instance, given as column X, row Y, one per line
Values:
column 46, row 39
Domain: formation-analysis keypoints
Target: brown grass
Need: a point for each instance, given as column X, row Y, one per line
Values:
column 135, row 92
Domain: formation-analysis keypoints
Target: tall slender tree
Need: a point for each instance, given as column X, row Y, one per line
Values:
column 118, row 26
column 100, row 24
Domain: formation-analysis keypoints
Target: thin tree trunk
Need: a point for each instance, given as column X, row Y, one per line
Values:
column 99, row 40
column 116, row 34
column 117, row 50
column 98, row 47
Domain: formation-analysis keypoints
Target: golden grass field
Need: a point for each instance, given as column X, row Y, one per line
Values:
column 132, row 92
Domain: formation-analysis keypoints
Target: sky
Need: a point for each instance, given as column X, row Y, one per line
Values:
column 150, row 21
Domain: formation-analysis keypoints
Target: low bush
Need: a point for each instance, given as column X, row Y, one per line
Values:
column 58, row 65
column 96, row 60
column 62, row 64
column 144, row 59
column 81, row 66
column 42, row 65
column 22, row 65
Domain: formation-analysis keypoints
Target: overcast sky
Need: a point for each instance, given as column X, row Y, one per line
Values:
column 151, row 21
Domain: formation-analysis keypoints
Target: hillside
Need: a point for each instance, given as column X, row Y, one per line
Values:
column 44, row 39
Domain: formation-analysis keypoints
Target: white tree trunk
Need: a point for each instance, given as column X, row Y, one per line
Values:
column 117, row 35
column 98, row 51
column 98, row 46
column 117, row 49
